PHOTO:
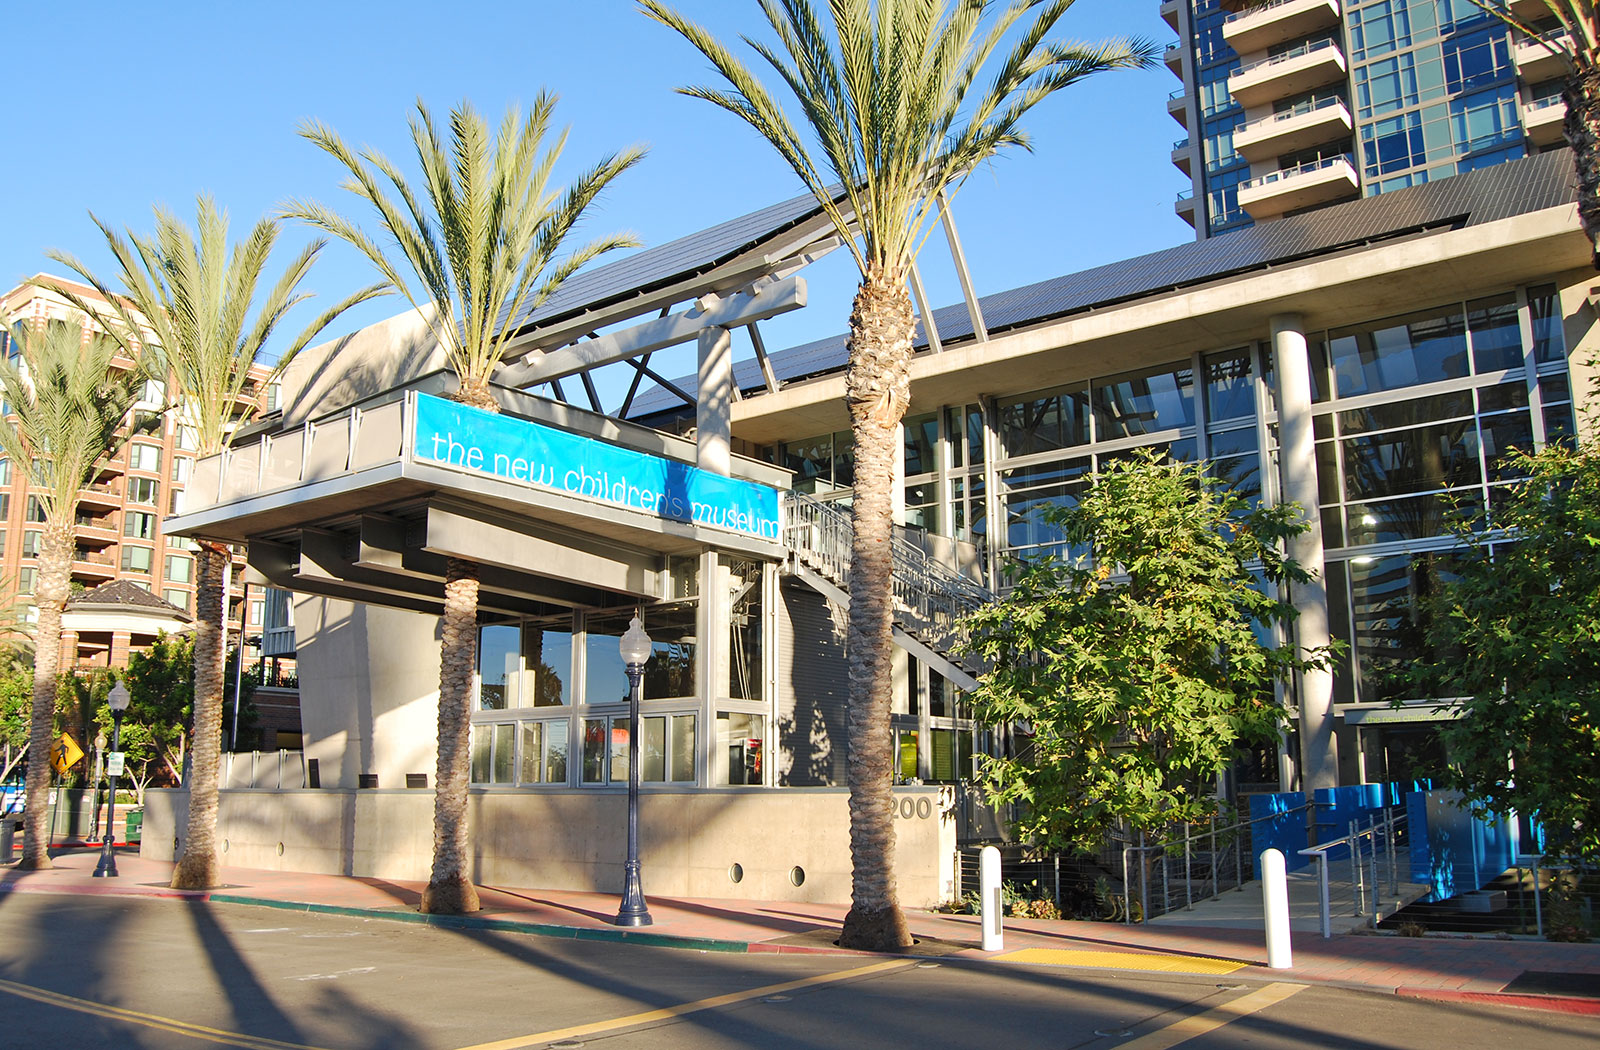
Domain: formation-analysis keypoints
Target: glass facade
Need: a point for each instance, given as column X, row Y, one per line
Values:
column 548, row 684
column 1220, row 115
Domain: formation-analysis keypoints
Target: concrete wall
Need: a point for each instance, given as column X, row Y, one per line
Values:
column 331, row 376
column 573, row 840
column 369, row 690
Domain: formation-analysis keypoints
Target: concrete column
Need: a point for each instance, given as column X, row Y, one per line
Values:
column 121, row 641
column 713, row 423
column 69, row 650
column 1319, row 752
column 897, row 490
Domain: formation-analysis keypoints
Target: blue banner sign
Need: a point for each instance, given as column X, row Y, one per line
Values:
column 542, row 457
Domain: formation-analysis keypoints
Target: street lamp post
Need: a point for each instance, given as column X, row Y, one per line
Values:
column 117, row 700
column 635, row 646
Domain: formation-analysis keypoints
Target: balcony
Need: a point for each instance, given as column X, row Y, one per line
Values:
column 1529, row 10
column 1261, row 26
column 93, row 568
column 1182, row 155
column 94, row 532
column 1284, row 76
column 1169, row 13
column 1178, row 107
column 1299, row 128
column 101, row 494
column 1174, row 59
column 1542, row 120
column 1184, row 206
column 1542, row 58
column 1279, row 192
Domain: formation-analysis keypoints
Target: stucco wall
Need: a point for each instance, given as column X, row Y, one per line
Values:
column 572, row 840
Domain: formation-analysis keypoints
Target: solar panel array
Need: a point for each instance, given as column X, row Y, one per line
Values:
column 1518, row 187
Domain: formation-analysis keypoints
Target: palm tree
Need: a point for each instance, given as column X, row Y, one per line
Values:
column 887, row 89
column 481, row 244
column 188, row 296
column 1579, row 47
column 68, row 401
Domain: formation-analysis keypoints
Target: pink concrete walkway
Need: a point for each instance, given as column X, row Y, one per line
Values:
column 1433, row 967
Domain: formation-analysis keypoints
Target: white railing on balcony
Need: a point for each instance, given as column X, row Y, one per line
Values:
column 1299, row 110
column 1287, row 56
column 1548, row 102
column 1299, row 169
column 1256, row 9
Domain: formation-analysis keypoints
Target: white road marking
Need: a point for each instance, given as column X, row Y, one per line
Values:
column 335, row 975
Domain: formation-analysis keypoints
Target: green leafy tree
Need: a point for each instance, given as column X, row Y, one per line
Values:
column 1138, row 669
column 160, row 685
column 890, row 94
column 69, row 397
column 206, row 310
column 16, row 706
column 1522, row 630
column 479, row 247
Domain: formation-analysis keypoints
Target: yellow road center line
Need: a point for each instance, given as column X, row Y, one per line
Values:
column 1123, row 960
column 1214, row 1018
column 668, row 1012
column 165, row 1024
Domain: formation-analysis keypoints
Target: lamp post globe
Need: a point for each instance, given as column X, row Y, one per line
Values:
column 117, row 700
column 635, row 649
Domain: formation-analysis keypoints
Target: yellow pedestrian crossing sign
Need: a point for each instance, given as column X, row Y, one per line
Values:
column 65, row 753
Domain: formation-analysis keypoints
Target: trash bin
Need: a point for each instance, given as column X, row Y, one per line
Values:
column 8, row 840
column 135, row 824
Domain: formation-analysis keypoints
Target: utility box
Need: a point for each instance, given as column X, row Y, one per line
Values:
column 1482, row 902
column 8, row 840
column 135, row 825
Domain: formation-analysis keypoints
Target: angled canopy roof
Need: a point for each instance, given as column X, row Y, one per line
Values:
column 1519, row 187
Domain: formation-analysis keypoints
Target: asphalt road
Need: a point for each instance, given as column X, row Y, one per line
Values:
column 115, row 972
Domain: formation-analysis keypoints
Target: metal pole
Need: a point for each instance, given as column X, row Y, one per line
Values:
column 1127, row 913
column 1213, row 854
column 1188, row 871
column 107, row 868
column 1372, row 865
column 634, row 911
column 238, row 671
column 1358, row 890
column 1238, row 854
column 1394, row 853
column 1538, row 905
column 1144, row 881
column 1322, row 885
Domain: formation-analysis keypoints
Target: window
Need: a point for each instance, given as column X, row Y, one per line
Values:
column 670, row 671
column 27, row 580
column 175, row 596
column 821, row 464
column 154, row 393
column 666, row 749
column 189, row 439
column 741, row 743
column 144, row 457
column 139, row 525
column 144, row 490
column 528, row 665
column 35, row 511
column 5, row 472
column 136, row 559
column 32, row 543
column 182, row 468
column 5, row 507
column 745, row 673
column 180, row 568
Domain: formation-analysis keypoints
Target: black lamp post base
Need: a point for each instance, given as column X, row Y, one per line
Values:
column 107, row 868
column 634, row 911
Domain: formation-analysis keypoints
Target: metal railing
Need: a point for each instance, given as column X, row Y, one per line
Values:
column 821, row 535
column 1547, row 102
column 1299, row 169
column 1287, row 56
column 263, row 770
column 1255, row 9
column 1211, row 858
column 1299, row 110
column 1362, row 846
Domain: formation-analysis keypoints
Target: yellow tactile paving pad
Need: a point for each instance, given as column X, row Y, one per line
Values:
column 1122, row 960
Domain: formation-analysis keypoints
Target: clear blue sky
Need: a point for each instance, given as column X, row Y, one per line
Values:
column 116, row 107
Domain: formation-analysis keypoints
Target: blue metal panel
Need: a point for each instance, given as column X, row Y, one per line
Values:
column 1273, row 826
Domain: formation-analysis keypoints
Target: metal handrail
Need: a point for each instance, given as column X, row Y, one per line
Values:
column 1299, row 169
column 1189, row 841
column 1299, row 110
column 823, row 535
column 1299, row 52
column 1361, row 869
column 1544, row 103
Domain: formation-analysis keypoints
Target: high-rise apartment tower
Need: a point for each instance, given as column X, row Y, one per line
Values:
column 1295, row 104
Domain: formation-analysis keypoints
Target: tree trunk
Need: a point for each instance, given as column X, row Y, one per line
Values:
column 449, row 891
column 55, row 570
column 877, row 387
column 198, row 868
column 1582, row 130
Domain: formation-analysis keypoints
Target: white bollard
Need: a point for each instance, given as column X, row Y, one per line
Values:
column 993, row 907
column 1275, row 903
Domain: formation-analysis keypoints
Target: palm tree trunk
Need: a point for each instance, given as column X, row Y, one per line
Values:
column 1582, row 130
column 877, row 387
column 198, row 868
column 55, row 570
column 449, row 891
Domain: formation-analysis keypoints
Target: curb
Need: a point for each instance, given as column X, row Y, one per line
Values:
column 1548, row 1003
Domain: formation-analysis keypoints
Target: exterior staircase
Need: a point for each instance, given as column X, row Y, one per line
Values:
column 931, row 600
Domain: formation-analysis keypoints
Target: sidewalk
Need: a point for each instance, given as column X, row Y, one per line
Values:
column 1520, row 973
